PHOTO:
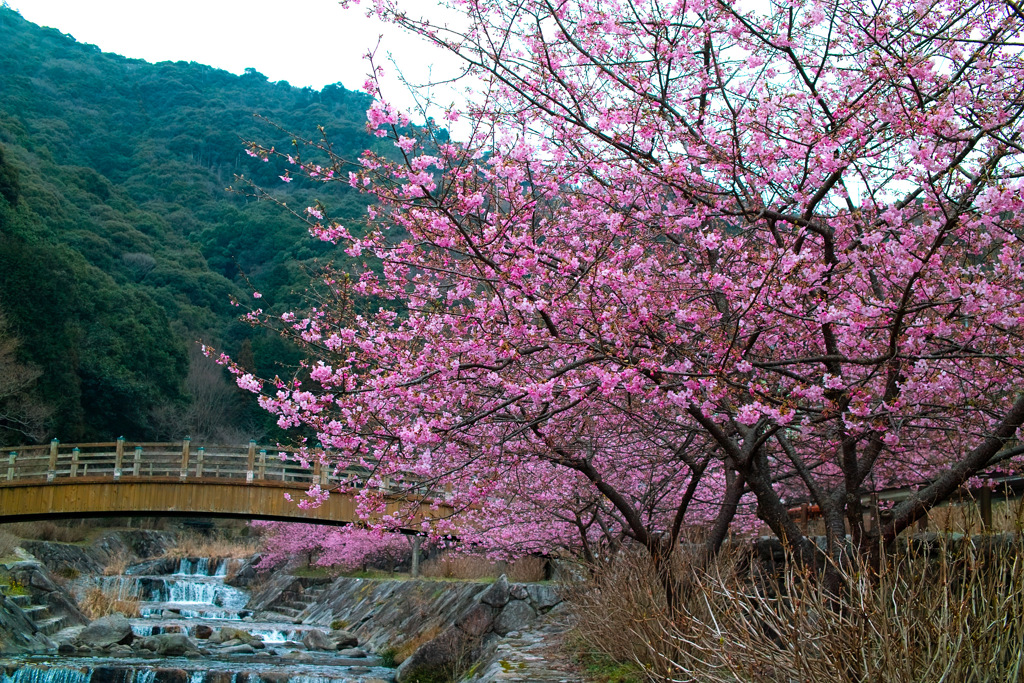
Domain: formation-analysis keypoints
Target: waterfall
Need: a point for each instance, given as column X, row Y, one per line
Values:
column 194, row 566
column 57, row 674
column 192, row 592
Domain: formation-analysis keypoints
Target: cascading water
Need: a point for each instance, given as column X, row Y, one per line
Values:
column 62, row 674
column 196, row 590
column 194, row 594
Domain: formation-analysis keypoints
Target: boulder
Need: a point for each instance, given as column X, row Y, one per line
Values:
column 202, row 631
column 245, row 574
column 497, row 594
column 543, row 596
column 229, row 633
column 241, row 649
column 316, row 639
column 353, row 652
column 106, row 631
column 297, row 656
column 439, row 658
column 477, row 620
column 171, row 676
column 170, row 645
column 343, row 638
column 110, row 674
column 163, row 565
column 517, row 591
column 516, row 616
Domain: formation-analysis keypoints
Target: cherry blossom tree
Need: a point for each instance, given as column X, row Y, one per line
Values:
column 688, row 260
column 347, row 548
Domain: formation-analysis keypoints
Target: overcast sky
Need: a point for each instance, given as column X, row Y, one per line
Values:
column 305, row 42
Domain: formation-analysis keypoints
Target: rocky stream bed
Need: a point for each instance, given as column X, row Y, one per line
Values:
column 196, row 627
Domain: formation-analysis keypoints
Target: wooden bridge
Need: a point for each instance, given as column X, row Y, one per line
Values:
column 120, row 478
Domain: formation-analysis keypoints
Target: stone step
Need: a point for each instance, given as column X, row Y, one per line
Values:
column 51, row 625
column 289, row 612
column 36, row 612
column 67, row 633
column 21, row 601
column 292, row 604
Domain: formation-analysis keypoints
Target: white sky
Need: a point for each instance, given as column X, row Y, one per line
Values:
column 305, row 42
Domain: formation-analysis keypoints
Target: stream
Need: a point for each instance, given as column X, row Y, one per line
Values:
column 196, row 595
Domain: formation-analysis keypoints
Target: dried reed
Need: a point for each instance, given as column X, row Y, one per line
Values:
column 103, row 601
column 944, row 609
column 215, row 547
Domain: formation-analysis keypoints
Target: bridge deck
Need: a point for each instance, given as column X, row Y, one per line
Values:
column 144, row 479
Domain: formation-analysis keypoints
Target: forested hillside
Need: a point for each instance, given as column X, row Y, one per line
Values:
column 121, row 247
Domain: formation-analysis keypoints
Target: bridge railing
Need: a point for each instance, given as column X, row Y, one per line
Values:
column 182, row 460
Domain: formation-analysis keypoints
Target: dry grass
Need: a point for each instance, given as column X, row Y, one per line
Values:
column 952, row 612
column 527, row 569
column 116, row 567
column 71, row 532
column 100, row 602
column 964, row 517
column 460, row 566
column 620, row 616
column 213, row 547
column 479, row 568
column 8, row 543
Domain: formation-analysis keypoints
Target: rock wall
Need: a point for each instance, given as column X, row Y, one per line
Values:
column 129, row 545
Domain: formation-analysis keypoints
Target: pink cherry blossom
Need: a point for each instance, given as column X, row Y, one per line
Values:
column 692, row 266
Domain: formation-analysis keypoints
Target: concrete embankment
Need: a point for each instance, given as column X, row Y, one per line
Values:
column 438, row 630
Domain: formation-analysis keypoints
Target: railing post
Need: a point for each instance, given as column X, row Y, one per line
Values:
column 263, row 464
column 252, row 461
column 51, row 473
column 118, row 458
column 11, row 458
column 186, row 444
column 316, row 471
column 74, row 461
column 137, row 465
column 199, row 461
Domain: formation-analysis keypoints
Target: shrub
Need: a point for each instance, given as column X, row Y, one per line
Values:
column 67, row 573
column 387, row 657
